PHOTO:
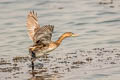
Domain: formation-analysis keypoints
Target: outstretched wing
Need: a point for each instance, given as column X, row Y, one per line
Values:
column 32, row 24
column 43, row 35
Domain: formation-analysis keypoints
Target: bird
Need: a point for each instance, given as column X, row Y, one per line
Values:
column 41, row 37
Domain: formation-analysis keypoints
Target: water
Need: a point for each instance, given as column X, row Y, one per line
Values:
column 76, row 58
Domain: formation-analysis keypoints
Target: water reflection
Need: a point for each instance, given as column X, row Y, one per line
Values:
column 39, row 76
column 55, row 67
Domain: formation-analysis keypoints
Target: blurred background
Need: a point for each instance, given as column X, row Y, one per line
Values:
column 97, row 22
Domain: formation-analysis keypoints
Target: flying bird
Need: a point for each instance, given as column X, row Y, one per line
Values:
column 41, row 37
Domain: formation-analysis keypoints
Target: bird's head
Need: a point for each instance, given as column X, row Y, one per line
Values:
column 65, row 35
column 70, row 34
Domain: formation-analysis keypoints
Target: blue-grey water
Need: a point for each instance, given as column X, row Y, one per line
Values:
column 94, row 55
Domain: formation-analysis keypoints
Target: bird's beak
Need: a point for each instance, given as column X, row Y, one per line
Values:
column 74, row 35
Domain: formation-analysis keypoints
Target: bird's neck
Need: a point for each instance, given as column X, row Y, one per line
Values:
column 60, row 39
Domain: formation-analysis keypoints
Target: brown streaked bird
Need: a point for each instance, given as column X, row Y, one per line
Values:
column 41, row 37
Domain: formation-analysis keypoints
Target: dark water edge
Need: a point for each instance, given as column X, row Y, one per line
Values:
column 85, row 64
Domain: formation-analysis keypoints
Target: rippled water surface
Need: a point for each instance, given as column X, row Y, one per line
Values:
column 94, row 55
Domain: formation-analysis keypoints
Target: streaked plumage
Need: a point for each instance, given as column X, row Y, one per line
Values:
column 41, row 36
column 32, row 24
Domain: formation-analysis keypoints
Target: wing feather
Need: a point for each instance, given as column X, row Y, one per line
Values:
column 32, row 24
column 43, row 35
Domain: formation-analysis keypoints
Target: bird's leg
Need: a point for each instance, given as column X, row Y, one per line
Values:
column 32, row 65
column 33, row 59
